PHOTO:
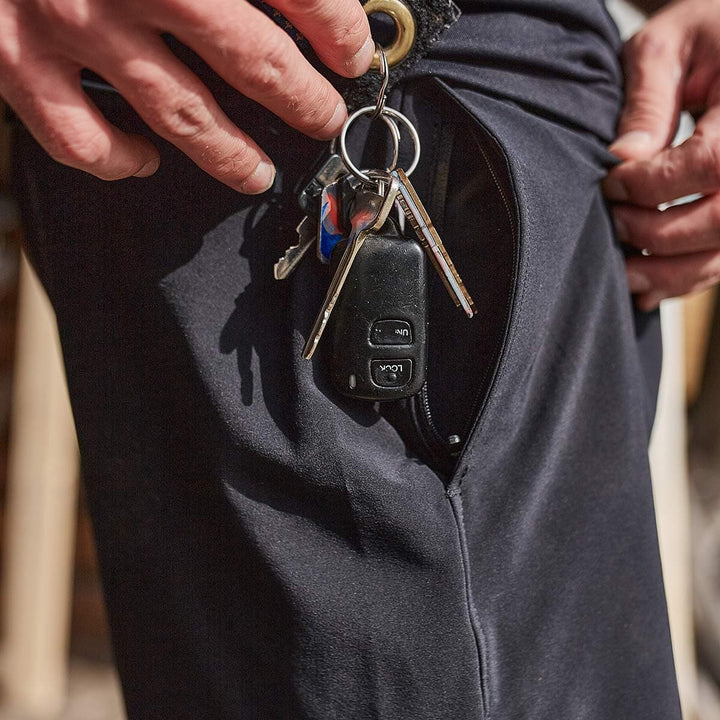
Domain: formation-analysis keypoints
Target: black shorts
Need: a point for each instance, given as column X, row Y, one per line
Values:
column 271, row 549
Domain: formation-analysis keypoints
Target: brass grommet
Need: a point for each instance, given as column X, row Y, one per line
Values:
column 404, row 25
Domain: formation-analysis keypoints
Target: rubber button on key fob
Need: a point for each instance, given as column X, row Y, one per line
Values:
column 391, row 332
column 391, row 373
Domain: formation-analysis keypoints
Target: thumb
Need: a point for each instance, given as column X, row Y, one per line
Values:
column 654, row 71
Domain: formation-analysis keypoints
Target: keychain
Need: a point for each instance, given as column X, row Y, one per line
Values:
column 377, row 301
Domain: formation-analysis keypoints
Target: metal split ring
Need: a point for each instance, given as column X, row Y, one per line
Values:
column 388, row 115
column 404, row 27
column 385, row 72
column 395, row 132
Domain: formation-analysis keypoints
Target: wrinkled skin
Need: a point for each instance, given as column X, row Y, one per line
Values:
column 44, row 44
column 671, row 64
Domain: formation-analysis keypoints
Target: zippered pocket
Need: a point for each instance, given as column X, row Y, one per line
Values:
column 468, row 191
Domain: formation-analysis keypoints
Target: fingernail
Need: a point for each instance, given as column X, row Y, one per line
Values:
column 148, row 168
column 260, row 181
column 359, row 63
column 334, row 125
column 638, row 282
column 621, row 229
column 631, row 143
column 614, row 188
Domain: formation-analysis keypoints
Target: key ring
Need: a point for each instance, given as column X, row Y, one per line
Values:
column 380, row 106
column 385, row 72
column 394, row 131
column 387, row 114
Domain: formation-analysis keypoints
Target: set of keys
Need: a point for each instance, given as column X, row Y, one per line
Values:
column 377, row 296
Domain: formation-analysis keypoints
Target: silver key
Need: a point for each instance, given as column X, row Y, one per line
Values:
column 307, row 233
column 427, row 234
column 308, row 199
column 331, row 170
column 370, row 212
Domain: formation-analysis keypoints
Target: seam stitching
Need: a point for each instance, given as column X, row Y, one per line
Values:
column 478, row 634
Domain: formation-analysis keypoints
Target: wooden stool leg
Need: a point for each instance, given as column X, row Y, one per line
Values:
column 698, row 314
column 668, row 459
column 41, row 514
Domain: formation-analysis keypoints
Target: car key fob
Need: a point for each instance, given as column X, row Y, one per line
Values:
column 379, row 324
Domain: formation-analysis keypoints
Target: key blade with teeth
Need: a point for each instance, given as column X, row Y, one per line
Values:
column 427, row 234
column 293, row 255
column 369, row 215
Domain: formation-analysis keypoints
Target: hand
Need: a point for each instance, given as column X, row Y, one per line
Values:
column 44, row 44
column 673, row 63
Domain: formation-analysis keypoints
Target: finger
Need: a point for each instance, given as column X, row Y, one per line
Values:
column 701, row 81
column 655, row 62
column 699, row 84
column 260, row 60
column 338, row 30
column 49, row 100
column 178, row 107
column 676, row 231
column 655, row 278
column 692, row 167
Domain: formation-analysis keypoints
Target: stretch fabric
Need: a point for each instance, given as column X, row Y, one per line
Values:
column 271, row 550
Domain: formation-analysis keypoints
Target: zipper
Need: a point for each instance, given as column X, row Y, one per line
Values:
column 433, row 449
column 481, row 396
column 425, row 404
column 446, row 452
column 431, row 437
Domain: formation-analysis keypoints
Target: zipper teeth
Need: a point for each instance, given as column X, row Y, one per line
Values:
column 480, row 395
column 428, row 416
column 441, row 162
column 425, row 431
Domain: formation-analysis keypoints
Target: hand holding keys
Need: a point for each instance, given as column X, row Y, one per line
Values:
column 387, row 357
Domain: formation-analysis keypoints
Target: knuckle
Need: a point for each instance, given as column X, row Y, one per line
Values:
column 707, row 161
column 85, row 151
column 66, row 14
column 349, row 32
column 647, row 43
column 237, row 166
column 317, row 111
column 185, row 12
column 185, row 116
column 268, row 73
column 13, row 56
column 654, row 50
column 664, row 175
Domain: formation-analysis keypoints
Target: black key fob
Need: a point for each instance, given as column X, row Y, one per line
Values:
column 379, row 323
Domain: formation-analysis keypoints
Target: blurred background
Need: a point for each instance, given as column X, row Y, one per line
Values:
column 55, row 654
